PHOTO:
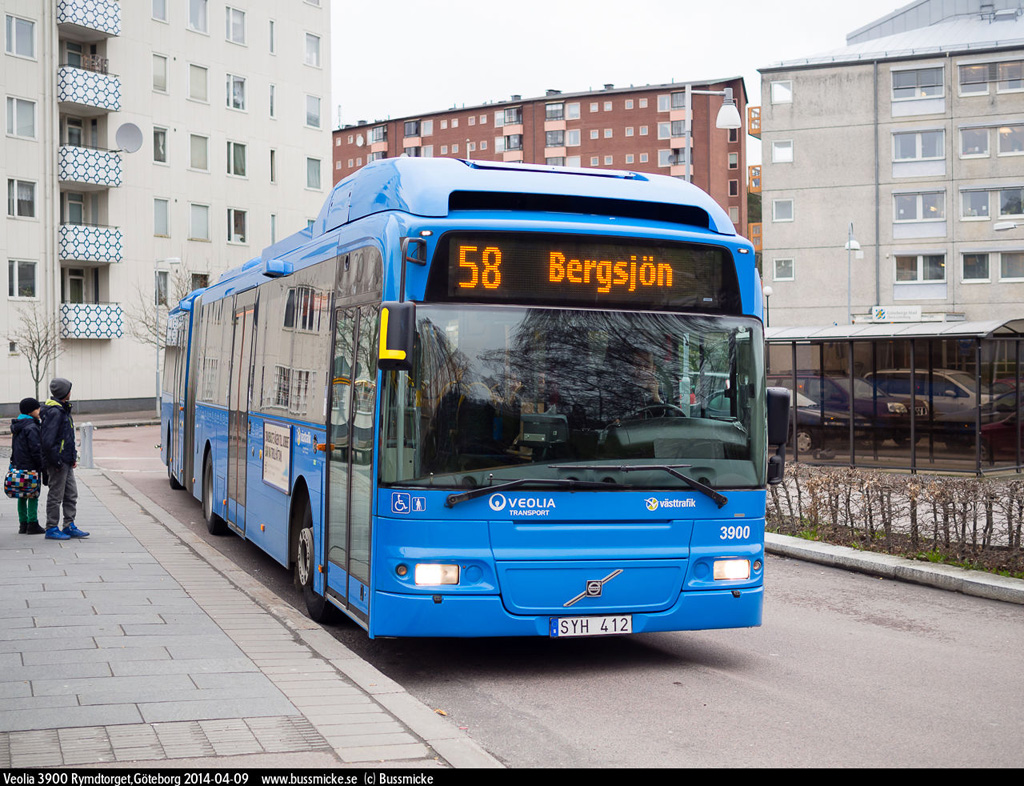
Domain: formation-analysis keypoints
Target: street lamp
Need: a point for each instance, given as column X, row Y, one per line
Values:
column 156, row 282
column 851, row 246
column 728, row 117
column 767, row 310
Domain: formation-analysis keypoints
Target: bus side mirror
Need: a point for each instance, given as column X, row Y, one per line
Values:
column 777, row 400
column 397, row 335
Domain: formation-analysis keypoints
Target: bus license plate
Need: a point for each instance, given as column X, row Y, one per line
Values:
column 564, row 627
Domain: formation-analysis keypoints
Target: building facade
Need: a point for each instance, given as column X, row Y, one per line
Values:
column 893, row 171
column 149, row 146
column 644, row 129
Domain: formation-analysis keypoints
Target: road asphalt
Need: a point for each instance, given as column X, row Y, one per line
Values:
column 141, row 646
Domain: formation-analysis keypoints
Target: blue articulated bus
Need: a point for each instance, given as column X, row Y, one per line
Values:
column 484, row 399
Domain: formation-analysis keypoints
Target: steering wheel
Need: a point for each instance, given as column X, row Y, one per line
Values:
column 662, row 410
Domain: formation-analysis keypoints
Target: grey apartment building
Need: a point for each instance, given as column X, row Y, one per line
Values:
column 893, row 171
column 642, row 129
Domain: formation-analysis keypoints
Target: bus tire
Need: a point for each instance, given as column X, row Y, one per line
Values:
column 215, row 525
column 318, row 607
column 175, row 485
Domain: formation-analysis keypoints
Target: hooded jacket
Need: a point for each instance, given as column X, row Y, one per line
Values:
column 26, row 449
column 58, row 434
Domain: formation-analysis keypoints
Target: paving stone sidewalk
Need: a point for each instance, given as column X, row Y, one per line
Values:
column 142, row 645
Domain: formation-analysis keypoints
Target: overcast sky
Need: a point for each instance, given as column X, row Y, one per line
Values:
column 393, row 58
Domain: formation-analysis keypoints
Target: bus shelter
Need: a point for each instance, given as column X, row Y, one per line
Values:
column 923, row 396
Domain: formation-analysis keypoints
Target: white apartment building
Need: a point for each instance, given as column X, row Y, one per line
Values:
column 231, row 101
column 911, row 140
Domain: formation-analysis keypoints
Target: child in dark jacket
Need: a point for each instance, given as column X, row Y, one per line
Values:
column 26, row 453
column 60, row 457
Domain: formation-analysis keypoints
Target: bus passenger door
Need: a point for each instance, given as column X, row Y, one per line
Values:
column 353, row 407
column 238, row 405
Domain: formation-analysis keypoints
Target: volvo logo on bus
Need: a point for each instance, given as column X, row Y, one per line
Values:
column 594, row 588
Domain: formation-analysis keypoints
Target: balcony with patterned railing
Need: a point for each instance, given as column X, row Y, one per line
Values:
column 90, row 243
column 90, row 169
column 754, row 235
column 754, row 178
column 754, row 121
column 91, row 320
column 88, row 91
column 88, row 20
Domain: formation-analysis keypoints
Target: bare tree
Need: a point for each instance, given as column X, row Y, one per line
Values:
column 144, row 323
column 38, row 339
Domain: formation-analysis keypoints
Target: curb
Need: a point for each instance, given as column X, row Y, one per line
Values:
column 946, row 577
column 458, row 750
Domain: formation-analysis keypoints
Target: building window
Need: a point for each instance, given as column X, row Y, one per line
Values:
column 554, row 138
column 21, row 278
column 1011, row 266
column 378, row 134
column 161, row 218
column 930, row 206
column 629, row 103
column 664, row 130
column 554, row 111
column 734, row 188
column 919, row 146
column 273, row 166
column 975, row 267
column 197, row 15
column 199, row 152
column 514, row 116
column 21, row 198
column 555, row 161
column 160, row 145
column 608, row 133
column 312, row 111
column 235, row 91
column 783, row 270
column 782, row 92
column 160, row 73
column 1008, row 77
column 974, row 79
column 160, row 10
column 921, row 268
column 21, row 118
column 1011, row 202
column 514, row 142
column 629, row 130
column 273, row 101
column 427, row 127
column 236, row 159
column 198, row 222
column 594, row 160
column 197, row 83
column 782, row 210
column 312, row 50
column 643, row 130
column 782, row 151
column 917, row 83
column 974, row 205
column 237, row 225
column 734, row 160
column 572, row 111
column 973, row 142
column 608, row 160
column 21, row 37
column 572, row 138
column 234, row 25
column 1011, row 140
column 666, row 157
column 412, row 127
column 594, row 133
column 313, row 173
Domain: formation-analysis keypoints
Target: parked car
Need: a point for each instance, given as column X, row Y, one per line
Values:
column 945, row 391
column 819, row 429
column 886, row 415
column 1000, row 424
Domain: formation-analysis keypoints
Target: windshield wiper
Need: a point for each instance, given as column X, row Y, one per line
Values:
column 455, row 499
column 671, row 469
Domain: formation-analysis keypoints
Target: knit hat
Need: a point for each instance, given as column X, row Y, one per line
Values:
column 28, row 406
column 60, row 388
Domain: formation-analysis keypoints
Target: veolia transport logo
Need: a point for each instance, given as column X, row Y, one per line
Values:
column 497, row 502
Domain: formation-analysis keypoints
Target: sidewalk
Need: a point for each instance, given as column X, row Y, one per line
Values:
column 142, row 646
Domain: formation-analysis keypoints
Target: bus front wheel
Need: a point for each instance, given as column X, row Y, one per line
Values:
column 318, row 607
column 215, row 525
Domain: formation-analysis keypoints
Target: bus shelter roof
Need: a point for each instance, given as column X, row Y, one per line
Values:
column 875, row 331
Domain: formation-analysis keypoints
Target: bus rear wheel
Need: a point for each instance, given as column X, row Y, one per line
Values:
column 215, row 525
column 318, row 607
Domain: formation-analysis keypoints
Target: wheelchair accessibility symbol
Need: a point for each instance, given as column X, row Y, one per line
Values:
column 403, row 503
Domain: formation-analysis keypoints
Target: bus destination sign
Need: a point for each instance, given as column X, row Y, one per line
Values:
column 587, row 271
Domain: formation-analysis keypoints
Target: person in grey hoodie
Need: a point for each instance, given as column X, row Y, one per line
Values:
column 60, row 457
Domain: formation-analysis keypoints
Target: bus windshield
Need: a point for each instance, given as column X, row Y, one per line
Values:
column 500, row 394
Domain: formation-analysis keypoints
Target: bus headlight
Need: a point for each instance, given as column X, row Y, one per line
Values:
column 732, row 569
column 431, row 575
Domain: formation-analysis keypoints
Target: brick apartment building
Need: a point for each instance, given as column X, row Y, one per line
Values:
column 642, row 129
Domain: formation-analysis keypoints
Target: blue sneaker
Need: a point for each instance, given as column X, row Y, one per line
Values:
column 74, row 532
column 55, row 533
